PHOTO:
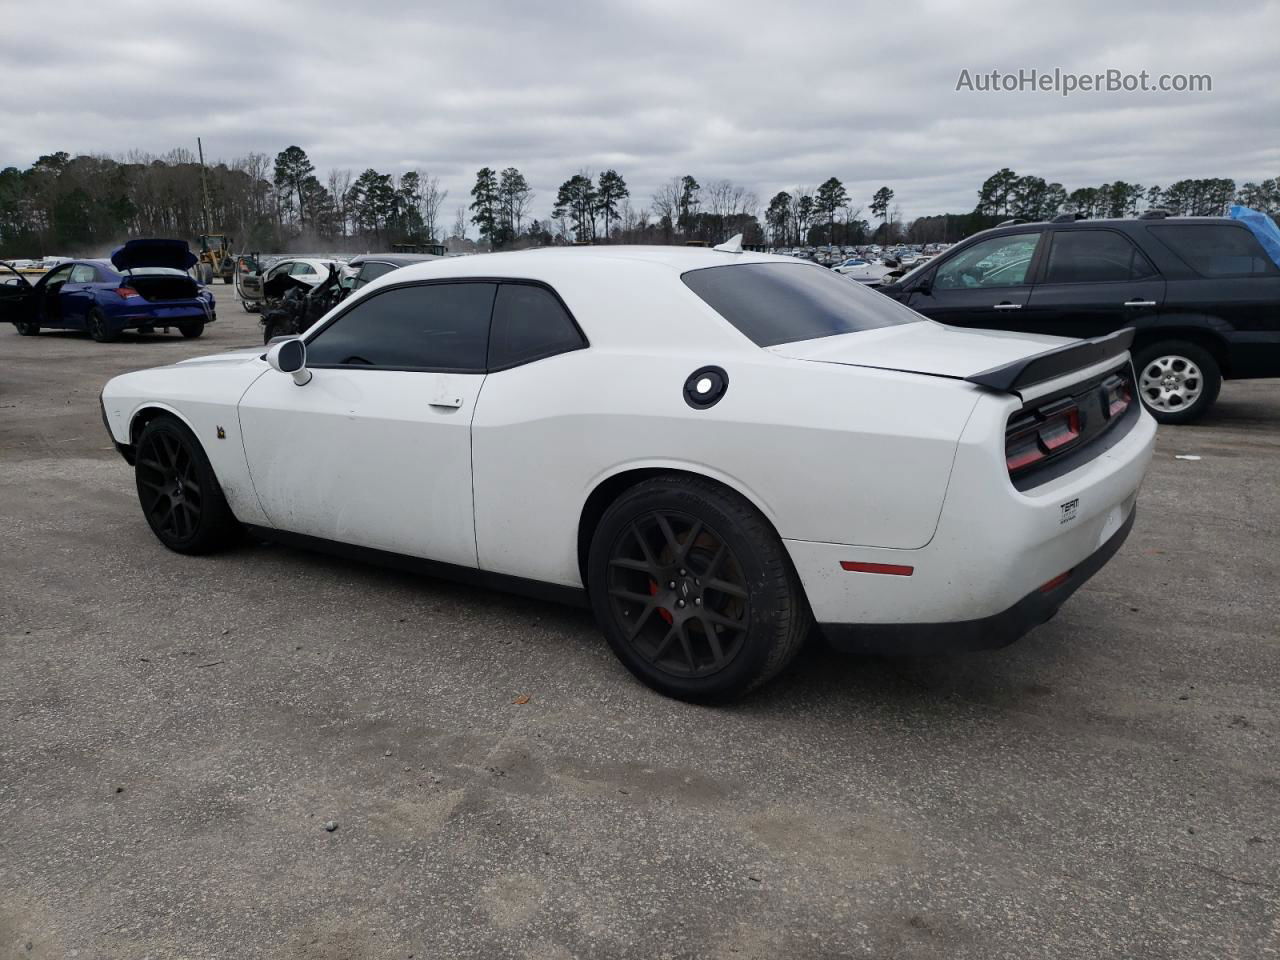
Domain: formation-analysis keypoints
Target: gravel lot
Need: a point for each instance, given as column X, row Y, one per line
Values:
column 175, row 733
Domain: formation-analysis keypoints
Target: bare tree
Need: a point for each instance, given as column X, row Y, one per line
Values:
column 430, row 201
column 459, row 223
column 666, row 207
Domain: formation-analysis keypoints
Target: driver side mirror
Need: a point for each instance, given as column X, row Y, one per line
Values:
column 924, row 286
column 290, row 356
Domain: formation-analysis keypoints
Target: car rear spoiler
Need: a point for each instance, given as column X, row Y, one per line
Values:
column 1054, row 363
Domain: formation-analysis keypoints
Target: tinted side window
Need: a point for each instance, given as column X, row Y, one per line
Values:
column 1216, row 249
column 997, row 262
column 371, row 271
column 774, row 303
column 528, row 324
column 1094, row 256
column 83, row 273
column 438, row 326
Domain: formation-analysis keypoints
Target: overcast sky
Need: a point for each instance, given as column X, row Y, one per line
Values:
column 768, row 94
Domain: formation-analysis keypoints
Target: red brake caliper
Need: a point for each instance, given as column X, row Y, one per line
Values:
column 664, row 613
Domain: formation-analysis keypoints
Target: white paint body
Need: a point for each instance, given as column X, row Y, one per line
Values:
column 849, row 456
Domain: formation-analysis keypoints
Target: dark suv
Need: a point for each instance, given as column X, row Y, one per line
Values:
column 1200, row 292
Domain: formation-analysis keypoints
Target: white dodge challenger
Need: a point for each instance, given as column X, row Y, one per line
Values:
column 714, row 449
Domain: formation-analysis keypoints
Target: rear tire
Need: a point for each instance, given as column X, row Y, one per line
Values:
column 736, row 614
column 191, row 330
column 179, row 492
column 98, row 329
column 1178, row 380
column 27, row 328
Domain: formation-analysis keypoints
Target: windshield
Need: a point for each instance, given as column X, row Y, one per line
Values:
column 774, row 303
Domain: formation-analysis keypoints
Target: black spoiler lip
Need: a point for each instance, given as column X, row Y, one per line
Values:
column 1054, row 363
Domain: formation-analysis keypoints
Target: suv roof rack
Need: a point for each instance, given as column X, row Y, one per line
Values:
column 1155, row 213
column 1068, row 217
column 1012, row 222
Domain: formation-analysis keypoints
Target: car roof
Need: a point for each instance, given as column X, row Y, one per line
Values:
column 400, row 259
column 623, row 296
column 521, row 263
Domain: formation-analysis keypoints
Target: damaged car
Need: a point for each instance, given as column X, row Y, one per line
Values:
column 291, row 303
column 145, row 285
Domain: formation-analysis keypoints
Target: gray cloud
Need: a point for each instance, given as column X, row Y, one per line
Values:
column 769, row 95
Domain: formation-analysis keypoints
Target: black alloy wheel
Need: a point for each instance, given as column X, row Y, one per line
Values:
column 679, row 592
column 179, row 493
column 98, row 329
column 693, row 589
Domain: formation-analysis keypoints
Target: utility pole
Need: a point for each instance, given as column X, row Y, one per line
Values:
column 204, row 185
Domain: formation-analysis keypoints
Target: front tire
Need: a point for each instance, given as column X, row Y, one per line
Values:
column 1177, row 380
column 179, row 492
column 694, row 591
column 27, row 328
column 191, row 330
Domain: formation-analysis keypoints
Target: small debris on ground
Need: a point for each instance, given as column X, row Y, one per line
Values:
column 1186, row 456
column 331, row 825
column 522, row 699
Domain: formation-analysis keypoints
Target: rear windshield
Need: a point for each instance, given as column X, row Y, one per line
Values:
column 776, row 303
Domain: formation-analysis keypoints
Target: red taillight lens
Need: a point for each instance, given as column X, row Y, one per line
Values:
column 1117, row 396
column 127, row 292
column 1032, row 439
column 1060, row 429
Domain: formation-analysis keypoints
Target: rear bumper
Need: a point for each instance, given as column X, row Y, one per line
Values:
column 986, row 633
column 155, row 315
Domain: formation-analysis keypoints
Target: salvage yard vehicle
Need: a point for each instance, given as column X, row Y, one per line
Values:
column 309, row 270
column 712, row 448
column 368, row 267
column 1201, row 294
column 290, row 305
column 145, row 285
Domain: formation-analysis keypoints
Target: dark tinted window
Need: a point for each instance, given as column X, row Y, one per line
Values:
column 371, row 271
column 529, row 323
column 1216, row 249
column 1094, row 256
column 439, row 326
column 782, row 302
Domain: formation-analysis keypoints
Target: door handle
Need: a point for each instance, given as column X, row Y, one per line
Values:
column 1139, row 303
column 448, row 403
column 1007, row 306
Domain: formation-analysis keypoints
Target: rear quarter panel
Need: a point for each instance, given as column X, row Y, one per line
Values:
column 826, row 452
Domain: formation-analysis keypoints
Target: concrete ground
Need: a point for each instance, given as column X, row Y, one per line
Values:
column 175, row 732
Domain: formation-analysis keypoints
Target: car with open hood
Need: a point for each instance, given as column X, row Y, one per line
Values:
column 711, row 449
column 144, row 286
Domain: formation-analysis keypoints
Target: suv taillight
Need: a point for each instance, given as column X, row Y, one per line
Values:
column 1032, row 438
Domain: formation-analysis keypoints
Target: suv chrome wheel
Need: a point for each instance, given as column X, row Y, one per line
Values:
column 1171, row 383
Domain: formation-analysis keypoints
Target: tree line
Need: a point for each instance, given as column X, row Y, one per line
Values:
column 82, row 204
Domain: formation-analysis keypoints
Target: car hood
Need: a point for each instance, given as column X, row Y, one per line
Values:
column 230, row 357
column 925, row 347
column 154, row 252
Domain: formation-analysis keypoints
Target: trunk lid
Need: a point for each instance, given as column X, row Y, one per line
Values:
column 927, row 348
column 153, row 252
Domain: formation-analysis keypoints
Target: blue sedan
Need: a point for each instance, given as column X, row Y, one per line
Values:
column 145, row 285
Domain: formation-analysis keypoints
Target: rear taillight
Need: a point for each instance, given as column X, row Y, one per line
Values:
column 127, row 292
column 1117, row 394
column 1032, row 438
